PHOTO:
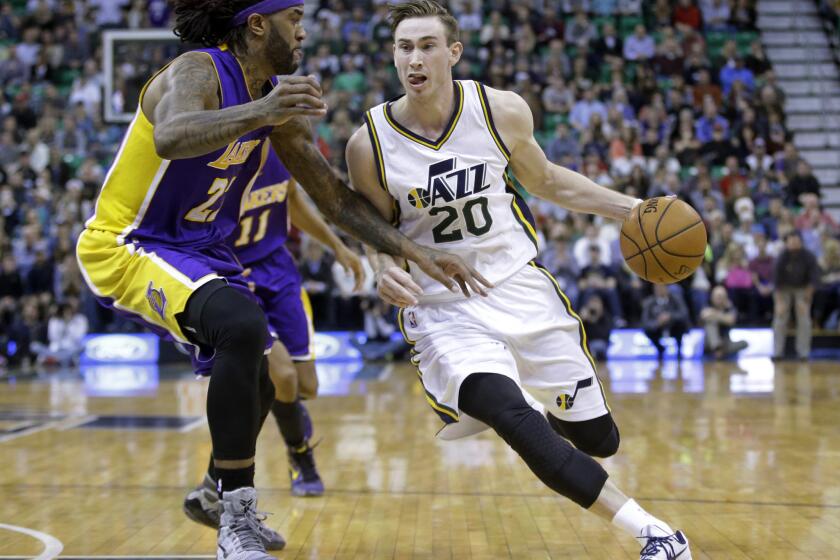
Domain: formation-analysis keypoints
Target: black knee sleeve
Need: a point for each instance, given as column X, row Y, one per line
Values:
column 222, row 318
column 498, row 401
column 598, row 437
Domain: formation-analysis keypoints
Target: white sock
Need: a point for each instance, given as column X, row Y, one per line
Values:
column 632, row 518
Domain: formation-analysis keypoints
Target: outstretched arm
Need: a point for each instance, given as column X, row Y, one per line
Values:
column 541, row 177
column 307, row 219
column 353, row 212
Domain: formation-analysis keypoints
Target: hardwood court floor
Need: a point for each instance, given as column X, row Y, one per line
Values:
column 742, row 456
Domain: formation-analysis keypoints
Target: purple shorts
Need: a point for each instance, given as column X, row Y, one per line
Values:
column 285, row 303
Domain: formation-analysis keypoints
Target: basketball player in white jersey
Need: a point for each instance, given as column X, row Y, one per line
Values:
column 437, row 161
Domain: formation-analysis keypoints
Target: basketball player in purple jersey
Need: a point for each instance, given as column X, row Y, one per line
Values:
column 259, row 242
column 154, row 252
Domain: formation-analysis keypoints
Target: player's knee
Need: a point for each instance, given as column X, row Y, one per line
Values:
column 246, row 328
column 507, row 421
column 607, row 447
column 285, row 379
column 308, row 387
column 598, row 437
column 307, row 379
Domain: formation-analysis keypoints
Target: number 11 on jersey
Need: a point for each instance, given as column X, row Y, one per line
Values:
column 247, row 224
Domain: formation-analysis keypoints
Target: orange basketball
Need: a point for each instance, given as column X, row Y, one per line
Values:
column 663, row 240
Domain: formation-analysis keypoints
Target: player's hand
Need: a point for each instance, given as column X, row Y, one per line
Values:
column 451, row 271
column 293, row 96
column 396, row 287
column 351, row 263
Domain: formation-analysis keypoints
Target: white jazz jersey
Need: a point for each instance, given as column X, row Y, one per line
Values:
column 454, row 193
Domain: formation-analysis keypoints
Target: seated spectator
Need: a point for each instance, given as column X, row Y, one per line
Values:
column 743, row 16
column 827, row 297
column 664, row 314
column 815, row 218
column 585, row 108
column 802, row 182
column 787, row 160
column 598, row 324
column 706, row 124
column 625, row 151
column 756, row 62
column 718, row 149
column 11, row 284
column 687, row 16
column 759, row 160
column 669, row 59
column 580, row 31
column 591, row 236
column 734, row 175
column 704, row 87
column 797, row 274
column 639, row 46
column 66, row 330
column 495, row 29
column 761, row 268
column 609, row 45
column 733, row 72
column 715, row 14
column 563, row 145
column 599, row 279
column 717, row 319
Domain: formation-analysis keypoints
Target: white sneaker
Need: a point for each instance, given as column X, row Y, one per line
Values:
column 239, row 531
column 670, row 547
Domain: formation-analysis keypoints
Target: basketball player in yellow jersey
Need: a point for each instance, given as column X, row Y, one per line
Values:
column 155, row 249
column 437, row 162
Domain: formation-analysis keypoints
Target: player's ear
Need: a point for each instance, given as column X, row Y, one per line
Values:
column 258, row 24
column 456, row 49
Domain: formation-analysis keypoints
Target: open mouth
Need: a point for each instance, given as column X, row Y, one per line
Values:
column 417, row 79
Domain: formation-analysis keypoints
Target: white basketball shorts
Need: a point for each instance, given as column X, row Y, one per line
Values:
column 525, row 329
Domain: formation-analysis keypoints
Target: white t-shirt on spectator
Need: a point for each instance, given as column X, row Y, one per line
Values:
column 67, row 335
column 581, row 251
column 765, row 164
column 583, row 111
column 639, row 49
column 110, row 11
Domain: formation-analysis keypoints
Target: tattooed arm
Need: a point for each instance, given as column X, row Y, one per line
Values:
column 355, row 214
column 183, row 105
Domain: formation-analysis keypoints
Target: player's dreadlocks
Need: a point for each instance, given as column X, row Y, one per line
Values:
column 208, row 22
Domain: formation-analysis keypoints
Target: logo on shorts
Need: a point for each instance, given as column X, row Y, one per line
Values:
column 412, row 319
column 157, row 300
column 566, row 402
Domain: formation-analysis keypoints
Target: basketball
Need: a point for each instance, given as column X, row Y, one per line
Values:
column 663, row 240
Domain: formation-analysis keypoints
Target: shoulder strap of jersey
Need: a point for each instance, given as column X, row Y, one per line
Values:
column 371, row 119
column 481, row 93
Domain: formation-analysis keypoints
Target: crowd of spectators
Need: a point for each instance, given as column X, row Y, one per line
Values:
column 647, row 97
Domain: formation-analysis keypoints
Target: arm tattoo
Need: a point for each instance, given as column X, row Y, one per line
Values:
column 184, row 126
column 346, row 208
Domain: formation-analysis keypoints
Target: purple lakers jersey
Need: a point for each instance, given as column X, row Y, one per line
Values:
column 151, row 200
column 263, row 216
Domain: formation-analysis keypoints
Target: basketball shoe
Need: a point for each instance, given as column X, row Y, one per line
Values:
column 304, row 477
column 302, row 471
column 202, row 505
column 240, row 535
column 671, row 547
